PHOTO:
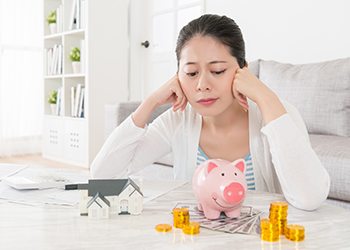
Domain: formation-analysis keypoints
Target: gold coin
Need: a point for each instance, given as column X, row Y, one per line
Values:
column 180, row 210
column 270, row 238
column 296, row 238
column 279, row 203
column 163, row 227
column 296, row 227
column 191, row 229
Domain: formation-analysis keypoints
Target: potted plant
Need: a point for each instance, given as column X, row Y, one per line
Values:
column 51, row 20
column 52, row 100
column 75, row 57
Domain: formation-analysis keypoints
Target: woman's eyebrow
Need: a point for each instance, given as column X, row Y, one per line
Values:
column 212, row 62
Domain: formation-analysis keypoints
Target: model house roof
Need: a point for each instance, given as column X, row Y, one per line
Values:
column 95, row 199
column 109, row 187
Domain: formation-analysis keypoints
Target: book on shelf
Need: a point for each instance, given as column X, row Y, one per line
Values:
column 73, row 14
column 59, row 18
column 81, row 103
column 77, row 15
column 59, row 101
column 73, row 91
column 54, row 60
column 78, row 100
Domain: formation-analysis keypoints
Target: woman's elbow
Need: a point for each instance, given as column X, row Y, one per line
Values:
column 313, row 200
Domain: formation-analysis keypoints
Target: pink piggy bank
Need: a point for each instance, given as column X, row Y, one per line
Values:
column 220, row 186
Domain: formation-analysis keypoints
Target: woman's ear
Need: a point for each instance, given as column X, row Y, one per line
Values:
column 246, row 64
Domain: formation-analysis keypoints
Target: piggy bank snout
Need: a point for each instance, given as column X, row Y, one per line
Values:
column 234, row 192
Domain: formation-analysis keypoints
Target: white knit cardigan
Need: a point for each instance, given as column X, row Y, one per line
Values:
column 283, row 160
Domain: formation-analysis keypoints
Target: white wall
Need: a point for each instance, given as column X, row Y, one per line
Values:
column 294, row 31
column 298, row 31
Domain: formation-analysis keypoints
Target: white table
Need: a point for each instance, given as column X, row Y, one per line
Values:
column 61, row 227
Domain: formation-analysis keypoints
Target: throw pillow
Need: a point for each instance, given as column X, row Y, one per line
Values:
column 320, row 91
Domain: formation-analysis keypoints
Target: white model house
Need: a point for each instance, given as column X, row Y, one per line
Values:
column 100, row 198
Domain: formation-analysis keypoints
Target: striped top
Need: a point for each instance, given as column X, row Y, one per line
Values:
column 249, row 174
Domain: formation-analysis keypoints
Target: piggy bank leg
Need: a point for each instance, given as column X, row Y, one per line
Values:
column 234, row 213
column 211, row 214
column 200, row 207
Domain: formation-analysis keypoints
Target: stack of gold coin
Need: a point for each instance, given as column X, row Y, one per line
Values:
column 278, row 211
column 295, row 232
column 192, row 228
column 163, row 227
column 269, row 230
column 181, row 217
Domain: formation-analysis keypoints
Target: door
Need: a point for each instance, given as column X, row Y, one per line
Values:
column 124, row 207
column 164, row 20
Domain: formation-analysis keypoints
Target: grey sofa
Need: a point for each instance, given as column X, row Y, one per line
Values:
column 321, row 93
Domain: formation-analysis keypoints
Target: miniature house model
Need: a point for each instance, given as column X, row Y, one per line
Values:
column 100, row 198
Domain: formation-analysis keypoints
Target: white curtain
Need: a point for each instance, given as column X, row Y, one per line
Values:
column 21, row 77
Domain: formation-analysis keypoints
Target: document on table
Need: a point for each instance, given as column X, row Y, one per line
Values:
column 60, row 196
column 10, row 169
column 35, row 197
column 155, row 188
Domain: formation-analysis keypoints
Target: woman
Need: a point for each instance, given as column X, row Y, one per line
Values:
column 231, row 115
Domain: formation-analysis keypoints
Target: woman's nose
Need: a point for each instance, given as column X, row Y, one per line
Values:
column 203, row 83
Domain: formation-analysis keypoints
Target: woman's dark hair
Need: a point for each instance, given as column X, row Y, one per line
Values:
column 220, row 28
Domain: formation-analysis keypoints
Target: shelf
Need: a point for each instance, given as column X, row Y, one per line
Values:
column 74, row 75
column 65, row 76
column 77, row 140
column 76, row 32
column 66, row 117
column 53, row 36
column 53, row 76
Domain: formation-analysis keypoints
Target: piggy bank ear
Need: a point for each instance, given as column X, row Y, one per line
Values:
column 211, row 166
column 240, row 164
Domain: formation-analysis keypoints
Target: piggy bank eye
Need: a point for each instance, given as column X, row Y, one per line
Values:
column 235, row 174
column 222, row 174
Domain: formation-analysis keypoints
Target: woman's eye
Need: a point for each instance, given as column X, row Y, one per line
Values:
column 219, row 72
column 192, row 74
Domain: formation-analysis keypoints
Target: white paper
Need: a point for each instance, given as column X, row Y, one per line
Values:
column 10, row 169
column 152, row 190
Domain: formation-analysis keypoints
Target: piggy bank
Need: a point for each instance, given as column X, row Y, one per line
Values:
column 220, row 186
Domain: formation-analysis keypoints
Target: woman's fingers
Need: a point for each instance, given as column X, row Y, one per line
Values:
column 241, row 99
column 180, row 98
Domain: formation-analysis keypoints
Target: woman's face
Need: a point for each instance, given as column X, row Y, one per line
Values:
column 206, row 73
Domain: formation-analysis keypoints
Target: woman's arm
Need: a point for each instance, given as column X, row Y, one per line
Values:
column 304, row 180
column 171, row 92
column 132, row 145
column 246, row 84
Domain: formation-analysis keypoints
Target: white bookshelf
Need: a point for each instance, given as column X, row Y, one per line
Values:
column 75, row 140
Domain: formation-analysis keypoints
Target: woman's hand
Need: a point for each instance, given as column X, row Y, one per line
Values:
column 171, row 92
column 246, row 84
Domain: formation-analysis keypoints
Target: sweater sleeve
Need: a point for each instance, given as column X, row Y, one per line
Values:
column 130, row 148
column 304, row 181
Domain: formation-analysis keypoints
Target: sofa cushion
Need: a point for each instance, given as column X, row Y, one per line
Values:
column 334, row 153
column 320, row 91
column 117, row 112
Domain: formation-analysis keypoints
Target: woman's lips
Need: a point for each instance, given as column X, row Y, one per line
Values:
column 207, row 101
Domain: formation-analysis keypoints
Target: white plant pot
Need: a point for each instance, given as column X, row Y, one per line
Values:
column 53, row 108
column 76, row 67
column 53, row 28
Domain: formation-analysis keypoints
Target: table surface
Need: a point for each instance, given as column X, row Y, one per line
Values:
column 60, row 227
